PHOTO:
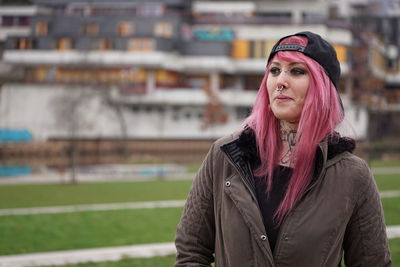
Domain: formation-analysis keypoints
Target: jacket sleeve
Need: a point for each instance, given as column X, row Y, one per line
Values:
column 365, row 240
column 195, row 235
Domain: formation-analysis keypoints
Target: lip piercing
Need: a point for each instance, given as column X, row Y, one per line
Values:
column 280, row 88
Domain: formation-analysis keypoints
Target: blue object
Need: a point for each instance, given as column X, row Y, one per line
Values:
column 218, row 34
column 14, row 170
column 12, row 135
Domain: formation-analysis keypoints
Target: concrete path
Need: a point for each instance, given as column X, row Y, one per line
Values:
column 393, row 231
column 55, row 178
column 107, row 254
column 386, row 170
column 390, row 194
column 94, row 207
column 120, row 206
column 88, row 255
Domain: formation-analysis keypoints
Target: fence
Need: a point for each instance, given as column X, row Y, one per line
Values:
column 59, row 153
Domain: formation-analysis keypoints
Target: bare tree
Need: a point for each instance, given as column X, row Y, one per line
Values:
column 70, row 116
column 70, row 113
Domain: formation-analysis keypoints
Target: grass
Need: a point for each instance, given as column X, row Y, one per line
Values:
column 51, row 232
column 386, row 163
column 193, row 168
column 18, row 196
column 391, row 207
column 388, row 181
column 395, row 251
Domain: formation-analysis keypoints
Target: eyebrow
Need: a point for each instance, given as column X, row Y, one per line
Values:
column 290, row 63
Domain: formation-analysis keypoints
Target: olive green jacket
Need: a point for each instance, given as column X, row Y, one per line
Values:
column 340, row 212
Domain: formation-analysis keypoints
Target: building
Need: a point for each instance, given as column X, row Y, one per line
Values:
column 15, row 21
column 171, row 69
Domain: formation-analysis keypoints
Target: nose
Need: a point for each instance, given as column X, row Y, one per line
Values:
column 282, row 79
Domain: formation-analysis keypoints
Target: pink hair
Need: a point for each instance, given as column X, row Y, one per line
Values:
column 320, row 115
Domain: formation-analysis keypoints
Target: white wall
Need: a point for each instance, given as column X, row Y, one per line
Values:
column 46, row 111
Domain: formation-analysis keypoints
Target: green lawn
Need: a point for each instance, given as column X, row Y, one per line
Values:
column 388, row 181
column 17, row 196
column 391, row 207
column 385, row 163
column 50, row 232
column 395, row 251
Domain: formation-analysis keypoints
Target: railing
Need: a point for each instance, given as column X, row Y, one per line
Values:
column 241, row 20
column 335, row 23
column 57, row 153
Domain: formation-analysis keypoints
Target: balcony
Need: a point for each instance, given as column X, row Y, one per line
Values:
column 220, row 19
column 205, row 48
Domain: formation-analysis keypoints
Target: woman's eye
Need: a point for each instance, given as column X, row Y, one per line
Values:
column 297, row 71
column 274, row 70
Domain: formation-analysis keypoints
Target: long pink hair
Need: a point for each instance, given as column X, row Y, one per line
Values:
column 320, row 115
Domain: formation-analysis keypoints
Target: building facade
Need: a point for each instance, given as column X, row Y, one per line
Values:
column 165, row 69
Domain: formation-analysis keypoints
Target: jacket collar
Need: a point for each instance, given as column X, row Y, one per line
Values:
column 242, row 149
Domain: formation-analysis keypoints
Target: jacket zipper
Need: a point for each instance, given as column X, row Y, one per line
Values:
column 238, row 169
column 284, row 224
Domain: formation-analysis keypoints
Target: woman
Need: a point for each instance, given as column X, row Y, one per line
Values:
column 286, row 190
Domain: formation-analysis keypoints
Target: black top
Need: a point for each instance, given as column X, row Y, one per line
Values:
column 269, row 202
column 246, row 151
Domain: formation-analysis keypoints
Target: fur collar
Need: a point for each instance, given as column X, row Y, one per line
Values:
column 248, row 146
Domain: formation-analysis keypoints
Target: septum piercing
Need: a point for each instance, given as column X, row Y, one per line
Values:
column 280, row 88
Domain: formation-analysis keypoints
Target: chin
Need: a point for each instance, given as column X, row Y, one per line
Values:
column 283, row 116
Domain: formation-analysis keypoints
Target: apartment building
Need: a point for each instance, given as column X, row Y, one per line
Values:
column 165, row 69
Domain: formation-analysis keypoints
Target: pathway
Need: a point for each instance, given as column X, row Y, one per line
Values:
column 122, row 206
column 94, row 207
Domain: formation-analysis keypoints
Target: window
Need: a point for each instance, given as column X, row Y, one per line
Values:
column 24, row 21
column 125, row 28
column 90, row 29
column 41, row 28
column 150, row 10
column 163, row 29
column 80, row 11
column 105, row 44
column 240, row 49
column 24, row 44
column 64, row 44
column 7, row 21
column 258, row 49
column 140, row 44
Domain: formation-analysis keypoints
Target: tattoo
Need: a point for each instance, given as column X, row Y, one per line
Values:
column 289, row 137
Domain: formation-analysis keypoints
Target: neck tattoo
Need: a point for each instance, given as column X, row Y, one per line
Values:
column 288, row 138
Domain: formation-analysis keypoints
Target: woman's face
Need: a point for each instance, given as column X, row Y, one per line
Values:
column 293, row 80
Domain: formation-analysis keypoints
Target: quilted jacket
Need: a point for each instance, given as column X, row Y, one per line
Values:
column 339, row 215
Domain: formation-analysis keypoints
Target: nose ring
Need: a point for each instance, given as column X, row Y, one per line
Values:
column 280, row 88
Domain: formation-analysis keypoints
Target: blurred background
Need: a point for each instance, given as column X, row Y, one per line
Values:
column 123, row 98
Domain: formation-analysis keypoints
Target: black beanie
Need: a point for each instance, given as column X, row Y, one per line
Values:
column 317, row 49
